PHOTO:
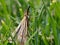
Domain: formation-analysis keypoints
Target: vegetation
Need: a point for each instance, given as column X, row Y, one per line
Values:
column 44, row 21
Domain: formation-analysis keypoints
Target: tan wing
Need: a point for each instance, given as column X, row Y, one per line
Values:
column 23, row 30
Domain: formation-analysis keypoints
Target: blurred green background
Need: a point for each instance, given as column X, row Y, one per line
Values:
column 44, row 21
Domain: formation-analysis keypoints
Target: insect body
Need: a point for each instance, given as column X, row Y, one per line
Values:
column 21, row 30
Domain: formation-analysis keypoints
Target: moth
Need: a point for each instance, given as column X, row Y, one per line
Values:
column 21, row 30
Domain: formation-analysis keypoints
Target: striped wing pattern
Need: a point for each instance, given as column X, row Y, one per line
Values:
column 21, row 31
